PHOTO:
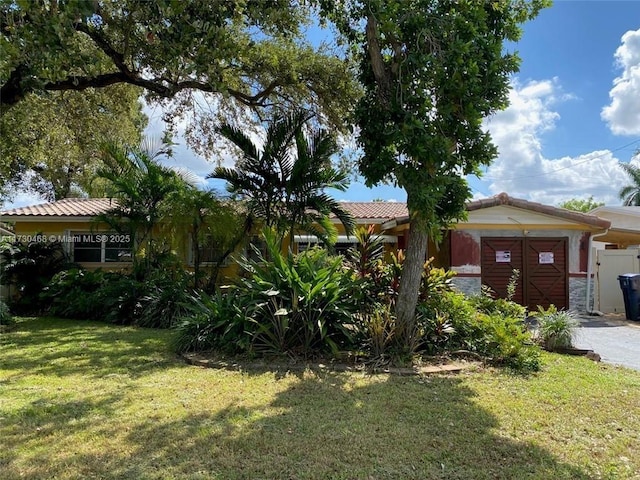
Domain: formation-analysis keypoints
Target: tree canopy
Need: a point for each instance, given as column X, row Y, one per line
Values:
column 583, row 205
column 431, row 70
column 237, row 53
column 52, row 143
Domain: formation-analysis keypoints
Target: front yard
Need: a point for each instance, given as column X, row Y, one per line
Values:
column 90, row 400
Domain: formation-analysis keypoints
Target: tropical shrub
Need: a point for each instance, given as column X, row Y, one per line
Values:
column 377, row 330
column 72, row 294
column 163, row 299
column 6, row 319
column 435, row 281
column 158, row 302
column 297, row 304
column 556, row 328
column 212, row 322
column 30, row 267
column 453, row 323
column 486, row 303
column 375, row 281
column 506, row 341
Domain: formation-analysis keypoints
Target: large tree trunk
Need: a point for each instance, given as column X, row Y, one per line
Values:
column 410, row 280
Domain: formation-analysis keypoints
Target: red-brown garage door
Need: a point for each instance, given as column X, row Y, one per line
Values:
column 543, row 266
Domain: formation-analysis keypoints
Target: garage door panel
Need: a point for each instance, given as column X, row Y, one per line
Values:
column 543, row 266
column 546, row 272
column 496, row 270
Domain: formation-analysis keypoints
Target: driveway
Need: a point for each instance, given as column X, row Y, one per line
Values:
column 614, row 338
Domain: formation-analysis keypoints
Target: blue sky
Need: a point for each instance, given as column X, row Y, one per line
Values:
column 574, row 113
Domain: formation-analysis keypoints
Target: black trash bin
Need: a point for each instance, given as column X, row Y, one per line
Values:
column 630, row 285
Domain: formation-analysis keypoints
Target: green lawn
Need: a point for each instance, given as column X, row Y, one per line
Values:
column 88, row 400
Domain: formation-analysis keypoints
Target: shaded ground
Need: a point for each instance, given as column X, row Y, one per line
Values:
column 614, row 338
column 89, row 400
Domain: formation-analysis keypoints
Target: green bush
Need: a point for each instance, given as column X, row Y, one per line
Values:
column 71, row 294
column 374, row 281
column 157, row 302
column 6, row 319
column 506, row 341
column 211, row 322
column 435, row 281
column 163, row 299
column 296, row 304
column 485, row 303
column 453, row 323
column 555, row 328
column 30, row 267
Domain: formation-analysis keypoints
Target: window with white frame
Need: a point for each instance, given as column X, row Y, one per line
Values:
column 107, row 247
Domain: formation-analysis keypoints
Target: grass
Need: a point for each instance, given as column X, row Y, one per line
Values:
column 89, row 400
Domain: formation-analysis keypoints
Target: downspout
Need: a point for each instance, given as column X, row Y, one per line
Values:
column 590, row 268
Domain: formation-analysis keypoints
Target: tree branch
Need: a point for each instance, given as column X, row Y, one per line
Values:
column 377, row 62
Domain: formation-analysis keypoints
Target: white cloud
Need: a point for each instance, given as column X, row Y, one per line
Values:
column 521, row 169
column 623, row 113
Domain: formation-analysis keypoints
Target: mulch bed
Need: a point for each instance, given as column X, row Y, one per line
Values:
column 210, row 361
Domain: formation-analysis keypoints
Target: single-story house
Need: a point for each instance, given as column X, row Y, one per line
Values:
column 549, row 246
column 616, row 252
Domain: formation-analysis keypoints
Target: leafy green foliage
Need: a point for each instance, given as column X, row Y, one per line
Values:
column 212, row 322
column 630, row 194
column 493, row 329
column 52, row 144
column 378, row 329
column 163, row 300
column 583, row 205
column 435, row 281
column 375, row 280
column 30, row 266
column 238, row 54
column 145, row 193
column 157, row 302
column 6, row 319
column 287, row 193
column 431, row 72
column 212, row 227
column 556, row 328
column 486, row 303
column 295, row 303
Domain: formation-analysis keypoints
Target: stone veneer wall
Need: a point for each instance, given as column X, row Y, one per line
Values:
column 578, row 294
column 467, row 285
column 577, row 290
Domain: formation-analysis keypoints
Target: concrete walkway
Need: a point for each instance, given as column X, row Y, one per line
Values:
column 614, row 338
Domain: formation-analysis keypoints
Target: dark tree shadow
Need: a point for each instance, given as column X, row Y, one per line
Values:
column 321, row 426
column 59, row 347
column 328, row 426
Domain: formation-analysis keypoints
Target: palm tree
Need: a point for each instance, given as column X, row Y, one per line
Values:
column 207, row 222
column 144, row 189
column 630, row 194
column 285, row 183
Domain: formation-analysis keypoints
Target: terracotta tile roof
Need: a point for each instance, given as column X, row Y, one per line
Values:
column 68, row 207
column 504, row 199
column 379, row 210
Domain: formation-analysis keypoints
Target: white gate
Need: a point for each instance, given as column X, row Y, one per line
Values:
column 610, row 264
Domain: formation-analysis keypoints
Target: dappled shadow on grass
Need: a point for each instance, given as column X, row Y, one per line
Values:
column 219, row 424
column 327, row 426
column 336, row 426
column 59, row 347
